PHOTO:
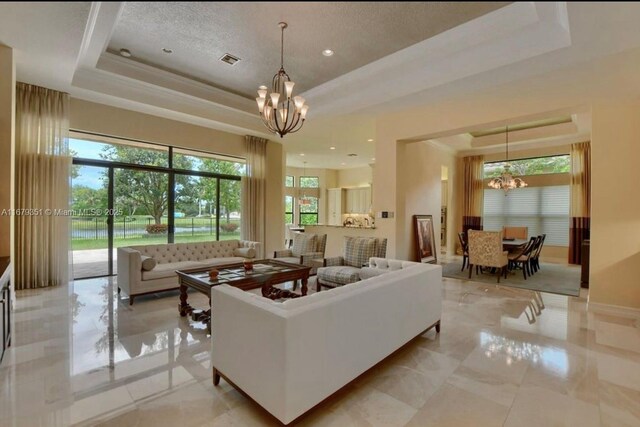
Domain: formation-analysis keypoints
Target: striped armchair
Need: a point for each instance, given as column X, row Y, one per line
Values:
column 306, row 247
column 345, row 269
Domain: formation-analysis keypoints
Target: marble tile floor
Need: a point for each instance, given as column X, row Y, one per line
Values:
column 505, row 357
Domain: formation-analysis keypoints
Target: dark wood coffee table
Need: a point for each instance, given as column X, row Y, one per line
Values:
column 265, row 274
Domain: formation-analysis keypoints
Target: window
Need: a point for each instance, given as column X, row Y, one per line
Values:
column 534, row 166
column 309, row 182
column 544, row 210
column 288, row 209
column 289, row 181
column 159, row 194
column 308, row 209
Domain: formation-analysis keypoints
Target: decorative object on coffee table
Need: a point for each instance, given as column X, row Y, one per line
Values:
column 264, row 274
column 213, row 274
column 425, row 239
column 248, row 265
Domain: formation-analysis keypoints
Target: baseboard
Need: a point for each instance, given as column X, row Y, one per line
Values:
column 613, row 309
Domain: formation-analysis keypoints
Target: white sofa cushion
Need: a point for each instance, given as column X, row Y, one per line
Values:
column 212, row 262
column 168, row 270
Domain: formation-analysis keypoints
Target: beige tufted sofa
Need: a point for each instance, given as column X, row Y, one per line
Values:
column 133, row 280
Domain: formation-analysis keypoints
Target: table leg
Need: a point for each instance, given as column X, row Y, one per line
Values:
column 304, row 288
column 184, row 308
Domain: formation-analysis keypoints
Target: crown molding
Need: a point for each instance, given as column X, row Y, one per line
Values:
column 149, row 98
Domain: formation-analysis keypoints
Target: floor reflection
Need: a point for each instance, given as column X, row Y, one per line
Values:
column 80, row 356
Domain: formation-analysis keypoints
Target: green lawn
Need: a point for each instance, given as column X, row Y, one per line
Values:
column 82, row 244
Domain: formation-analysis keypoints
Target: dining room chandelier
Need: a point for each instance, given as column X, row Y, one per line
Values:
column 506, row 181
column 280, row 112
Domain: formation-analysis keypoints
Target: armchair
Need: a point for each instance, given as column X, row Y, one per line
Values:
column 306, row 247
column 485, row 250
column 345, row 269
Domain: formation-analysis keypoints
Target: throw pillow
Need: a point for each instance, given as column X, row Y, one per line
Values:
column 245, row 252
column 358, row 250
column 303, row 244
column 148, row 263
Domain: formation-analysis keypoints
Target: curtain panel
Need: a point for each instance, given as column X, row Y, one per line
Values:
column 473, row 197
column 254, row 187
column 43, row 167
column 580, row 222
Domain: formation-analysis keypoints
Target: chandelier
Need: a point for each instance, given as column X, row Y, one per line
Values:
column 279, row 112
column 506, row 180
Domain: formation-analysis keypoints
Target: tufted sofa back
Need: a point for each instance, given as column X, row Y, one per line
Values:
column 197, row 251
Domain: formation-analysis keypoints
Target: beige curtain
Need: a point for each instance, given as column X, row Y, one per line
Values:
column 473, row 197
column 580, row 227
column 43, row 167
column 254, row 186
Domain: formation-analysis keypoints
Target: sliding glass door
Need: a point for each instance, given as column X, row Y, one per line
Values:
column 132, row 193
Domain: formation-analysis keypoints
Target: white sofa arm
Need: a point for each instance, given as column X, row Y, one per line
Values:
column 129, row 269
column 246, row 325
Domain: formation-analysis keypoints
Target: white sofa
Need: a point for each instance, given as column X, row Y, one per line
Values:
column 289, row 356
column 133, row 280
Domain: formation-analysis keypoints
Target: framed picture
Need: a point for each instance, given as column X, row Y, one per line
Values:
column 425, row 239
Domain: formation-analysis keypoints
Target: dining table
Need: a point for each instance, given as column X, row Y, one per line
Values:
column 510, row 244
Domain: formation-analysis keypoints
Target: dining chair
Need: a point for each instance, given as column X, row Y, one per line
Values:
column 465, row 249
column 523, row 257
column 535, row 258
column 485, row 250
column 516, row 232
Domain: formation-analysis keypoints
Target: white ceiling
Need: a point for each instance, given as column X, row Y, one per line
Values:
column 199, row 33
column 513, row 45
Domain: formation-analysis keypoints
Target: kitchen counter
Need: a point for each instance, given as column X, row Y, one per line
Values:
column 335, row 235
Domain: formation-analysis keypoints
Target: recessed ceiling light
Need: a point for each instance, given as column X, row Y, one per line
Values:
column 332, row 148
column 125, row 52
column 167, row 50
column 373, row 158
column 302, row 154
column 343, row 163
column 369, row 140
column 327, row 52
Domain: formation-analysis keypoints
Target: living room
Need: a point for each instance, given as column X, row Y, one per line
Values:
column 392, row 83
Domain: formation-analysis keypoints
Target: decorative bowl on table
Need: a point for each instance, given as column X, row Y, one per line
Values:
column 248, row 265
column 213, row 274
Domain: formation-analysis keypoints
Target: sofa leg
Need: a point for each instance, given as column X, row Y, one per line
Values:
column 130, row 299
column 318, row 285
column 119, row 290
column 438, row 327
column 216, row 377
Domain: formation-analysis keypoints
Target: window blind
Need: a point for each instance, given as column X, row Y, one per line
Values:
column 544, row 210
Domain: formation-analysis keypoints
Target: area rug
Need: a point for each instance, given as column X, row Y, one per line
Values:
column 553, row 278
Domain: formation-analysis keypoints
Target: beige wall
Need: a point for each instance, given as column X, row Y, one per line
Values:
column 7, row 134
column 102, row 119
column 274, row 209
column 419, row 191
column 615, row 204
column 355, row 177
